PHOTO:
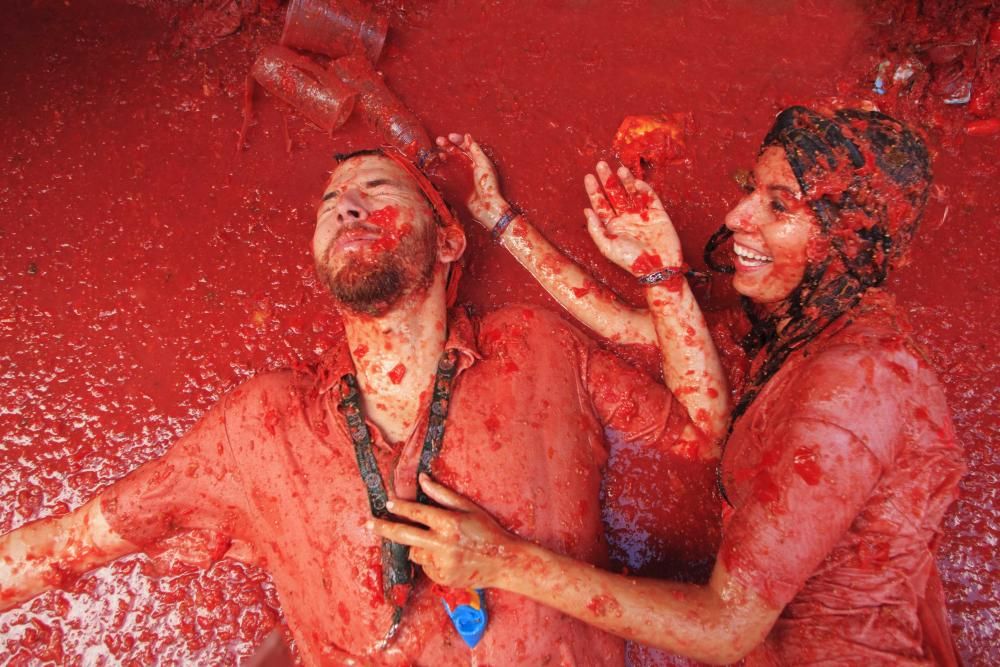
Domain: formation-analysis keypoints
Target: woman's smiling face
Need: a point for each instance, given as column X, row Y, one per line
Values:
column 771, row 228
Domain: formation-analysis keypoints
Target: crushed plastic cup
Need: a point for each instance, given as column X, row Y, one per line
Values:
column 879, row 87
column 335, row 28
column 310, row 89
column 467, row 611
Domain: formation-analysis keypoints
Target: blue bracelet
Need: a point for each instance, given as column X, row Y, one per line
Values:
column 504, row 222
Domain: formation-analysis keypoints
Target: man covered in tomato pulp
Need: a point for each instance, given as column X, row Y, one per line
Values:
column 514, row 410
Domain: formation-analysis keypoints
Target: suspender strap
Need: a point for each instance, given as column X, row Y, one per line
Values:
column 397, row 571
column 440, row 402
column 350, row 408
column 396, row 568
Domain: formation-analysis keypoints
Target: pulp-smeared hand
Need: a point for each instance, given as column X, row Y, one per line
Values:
column 628, row 223
column 486, row 203
column 461, row 546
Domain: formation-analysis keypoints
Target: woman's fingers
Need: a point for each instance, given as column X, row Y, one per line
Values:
column 619, row 198
column 445, row 147
column 595, row 227
column 465, row 144
column 432, row 517
column 455, row 141
column 479, row 156
column 401, row 533
column 452, row 145
column 628, row 180
column 481, row 163
column 603, row 171
column 444, row 496
column 598, row 202
column 652, row 199
column 419, row 556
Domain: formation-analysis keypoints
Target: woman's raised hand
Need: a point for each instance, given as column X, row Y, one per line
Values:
column 486, row 203
column 628, row 222
column 461, row 546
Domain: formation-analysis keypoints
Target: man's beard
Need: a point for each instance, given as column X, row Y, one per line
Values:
column 373, row 285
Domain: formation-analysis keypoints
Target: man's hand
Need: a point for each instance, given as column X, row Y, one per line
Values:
column 461, row 546
column 486, row 202
column 628, row 223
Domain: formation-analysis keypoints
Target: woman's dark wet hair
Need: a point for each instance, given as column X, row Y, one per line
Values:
column 866, row 177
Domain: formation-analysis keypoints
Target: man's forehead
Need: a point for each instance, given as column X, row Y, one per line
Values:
column 363, row 168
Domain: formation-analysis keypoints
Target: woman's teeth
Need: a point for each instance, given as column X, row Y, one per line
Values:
column 749, row 257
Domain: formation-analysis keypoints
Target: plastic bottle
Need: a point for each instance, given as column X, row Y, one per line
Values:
column 382, row 110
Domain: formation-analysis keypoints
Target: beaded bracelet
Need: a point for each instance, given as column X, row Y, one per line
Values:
column 664, row 274
column 504, row 222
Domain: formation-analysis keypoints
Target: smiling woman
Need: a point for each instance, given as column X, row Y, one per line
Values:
column 840, row 457
column 771, row 227
column 854, row 185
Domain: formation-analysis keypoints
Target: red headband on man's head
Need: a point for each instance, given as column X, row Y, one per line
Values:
column 433, row 196
column 441, row 209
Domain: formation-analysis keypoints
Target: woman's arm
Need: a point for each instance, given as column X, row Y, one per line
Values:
column 718, row 623
column 799, row 505
column 576, row 290
column 630, row 227
column 50, row 553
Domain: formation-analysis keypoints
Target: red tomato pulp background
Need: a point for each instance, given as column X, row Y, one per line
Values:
column 148, row 265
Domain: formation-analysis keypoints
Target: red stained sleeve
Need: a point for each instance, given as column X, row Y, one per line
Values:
column 660, row 492
column 635, row 408
column 809, row 488
column 194, row 486
column 822, row 451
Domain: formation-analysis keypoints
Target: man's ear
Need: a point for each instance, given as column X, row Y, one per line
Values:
column 450, row 244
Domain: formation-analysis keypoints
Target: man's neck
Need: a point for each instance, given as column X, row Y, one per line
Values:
column 396, row 357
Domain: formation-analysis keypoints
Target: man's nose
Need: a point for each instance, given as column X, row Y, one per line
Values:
column 351, row 206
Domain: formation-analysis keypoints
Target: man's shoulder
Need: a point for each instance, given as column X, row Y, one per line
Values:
column 270, row 388
column 522, row 320
column 527, row 327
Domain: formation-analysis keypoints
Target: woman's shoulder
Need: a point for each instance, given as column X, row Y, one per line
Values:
column 865, row 376
column 874, row 340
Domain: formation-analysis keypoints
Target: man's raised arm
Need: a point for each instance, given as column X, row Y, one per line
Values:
column 52, row 552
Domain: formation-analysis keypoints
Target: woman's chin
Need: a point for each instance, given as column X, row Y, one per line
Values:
column 759, row 287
